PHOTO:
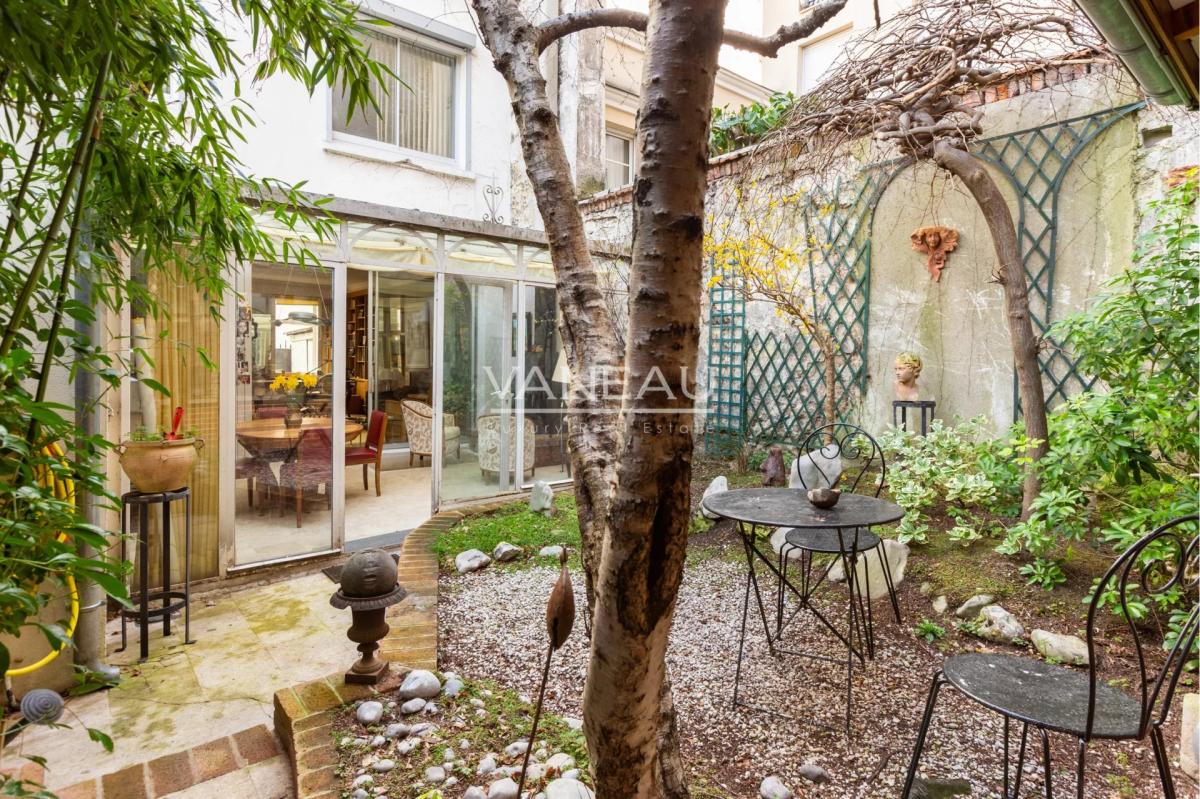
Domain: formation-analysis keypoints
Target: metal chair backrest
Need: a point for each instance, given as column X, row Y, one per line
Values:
column 1159, row 562
column 856, row 449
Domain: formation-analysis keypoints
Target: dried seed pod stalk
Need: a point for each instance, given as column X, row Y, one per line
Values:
column 560, row 618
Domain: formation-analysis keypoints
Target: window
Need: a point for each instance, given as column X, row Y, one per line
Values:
column 618, row 160
column 818, row 57
column 415, row 113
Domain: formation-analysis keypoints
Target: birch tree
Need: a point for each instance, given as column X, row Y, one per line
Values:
column 631, row 453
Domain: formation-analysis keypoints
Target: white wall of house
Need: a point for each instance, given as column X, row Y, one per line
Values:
column 294, row 138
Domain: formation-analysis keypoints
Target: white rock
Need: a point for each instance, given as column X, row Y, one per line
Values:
column 486, row 766
column 384, row 766
column 408, row 745
column 970, row 609
column 505, row 552
column 869, row 569
column 550, row 552
column 773, row 788
column 360, row 793
column 363, row 781
column 814, row 773
column 452, row 687
column 997, row 624
column 568, row 789
column 449, row 755
column 533, row 774
column 561, row 761
column 450, row 782
column 470, row 561
column 516, row 748
column 413, row 706
column 420, row 683
column 1189, row 739
column 573, row 723
column 418, row 730
column 719, row 485
column 815, row 469
column 378, row 741
column 435, row 774
column 571, row 774
column 369, row 713
column 475, row 792
column 541, row 498
column 1069, row 649
column 940, row 604
column 779, row 541
column 502, row 789
column 396, row 731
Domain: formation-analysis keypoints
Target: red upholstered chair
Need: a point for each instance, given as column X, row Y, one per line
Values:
column 312, row 467
column 373, row 451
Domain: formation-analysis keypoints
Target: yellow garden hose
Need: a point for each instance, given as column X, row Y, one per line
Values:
column 63, row 489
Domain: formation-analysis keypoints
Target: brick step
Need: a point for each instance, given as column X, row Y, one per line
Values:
column 172, row 773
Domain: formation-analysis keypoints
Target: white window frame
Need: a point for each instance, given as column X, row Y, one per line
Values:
column 631, row 167
column 385, row 151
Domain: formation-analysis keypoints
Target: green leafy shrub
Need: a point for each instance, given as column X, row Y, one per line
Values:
column 1126, row 454
column 750, row 124
column 929, row 630
column 943, row 468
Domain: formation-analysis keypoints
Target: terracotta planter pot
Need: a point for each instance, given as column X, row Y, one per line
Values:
column 155, row 466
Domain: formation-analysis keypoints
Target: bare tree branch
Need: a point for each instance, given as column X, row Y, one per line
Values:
column 552, row 30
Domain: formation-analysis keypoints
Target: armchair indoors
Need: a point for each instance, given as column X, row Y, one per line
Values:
column 489, row 444
column 418, row 420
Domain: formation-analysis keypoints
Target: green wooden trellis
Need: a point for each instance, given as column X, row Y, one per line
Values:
column 767, row 386
column 1035, row 161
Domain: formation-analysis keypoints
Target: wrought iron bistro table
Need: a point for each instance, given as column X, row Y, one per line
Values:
column 844, row 524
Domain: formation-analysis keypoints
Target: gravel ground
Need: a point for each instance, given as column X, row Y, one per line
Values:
column 491, row 625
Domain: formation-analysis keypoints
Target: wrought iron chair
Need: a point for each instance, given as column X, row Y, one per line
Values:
column 857, row 455
column 841, row 442
column 1058, row 699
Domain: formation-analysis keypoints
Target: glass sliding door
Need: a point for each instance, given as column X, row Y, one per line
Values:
column 389, row 467
column 284, row 424
column 480, row 430
column 544, row 388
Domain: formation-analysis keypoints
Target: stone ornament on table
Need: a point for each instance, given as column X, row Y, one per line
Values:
column 908, row 369
column 937, row 242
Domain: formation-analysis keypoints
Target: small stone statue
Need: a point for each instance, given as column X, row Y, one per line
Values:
column 908, row 369
column 937, row 242
column 774, row 472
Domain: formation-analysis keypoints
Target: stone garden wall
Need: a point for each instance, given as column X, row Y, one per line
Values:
column 958, row 325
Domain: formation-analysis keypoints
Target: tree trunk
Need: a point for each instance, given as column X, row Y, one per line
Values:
column 1011, row 276
column 587, row 332
column 646, row 535
column 829, row 353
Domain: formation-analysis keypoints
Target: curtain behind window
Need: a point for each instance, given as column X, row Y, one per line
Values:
column 426, row 102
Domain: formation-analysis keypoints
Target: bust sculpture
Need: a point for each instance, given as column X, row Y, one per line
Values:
column 908, row 369
column 935, row 241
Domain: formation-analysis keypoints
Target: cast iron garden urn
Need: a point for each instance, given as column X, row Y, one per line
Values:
column 368, row 587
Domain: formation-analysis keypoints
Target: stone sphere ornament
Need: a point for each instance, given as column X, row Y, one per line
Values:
column 908, row 369
column 369, row 586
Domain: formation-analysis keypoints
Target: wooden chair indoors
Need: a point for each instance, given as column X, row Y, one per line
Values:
column 372, row 452
column 312, row 467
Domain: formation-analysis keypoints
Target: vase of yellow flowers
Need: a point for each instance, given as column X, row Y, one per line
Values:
column 294, row 387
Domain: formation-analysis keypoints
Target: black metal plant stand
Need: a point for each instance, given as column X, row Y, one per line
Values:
column 171, row 601
column 926, row 408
